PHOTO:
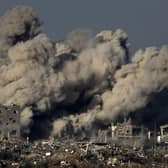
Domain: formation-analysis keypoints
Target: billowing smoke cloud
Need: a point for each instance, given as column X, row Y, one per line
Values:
column 19, row 24
column 77, row 84
column 90, row 75
column 29, row 78
column 76, row 124
column 135, row 86
column 34, row 78
column 80, row 39
column 137, row 83
column 26, row 116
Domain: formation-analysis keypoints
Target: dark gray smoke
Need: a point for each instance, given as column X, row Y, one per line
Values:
column 77, row 84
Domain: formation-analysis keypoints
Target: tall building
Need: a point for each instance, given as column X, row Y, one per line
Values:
column 9, row 122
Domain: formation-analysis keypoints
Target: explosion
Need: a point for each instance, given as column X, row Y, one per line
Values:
column 81, row 82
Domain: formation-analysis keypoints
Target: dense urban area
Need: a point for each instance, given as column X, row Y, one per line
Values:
column 70, row 153
column 121, row 145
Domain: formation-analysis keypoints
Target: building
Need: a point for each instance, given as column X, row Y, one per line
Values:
column 128, row 134
column 122, row 134
column 164, row 133
column 9, row 122
column 127, row 130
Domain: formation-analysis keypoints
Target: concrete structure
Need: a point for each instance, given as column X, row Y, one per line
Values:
column 122, row 133
column 102, row 136
column 164, row 133
column 127, row 134
column 9, row 122
column 126, row 130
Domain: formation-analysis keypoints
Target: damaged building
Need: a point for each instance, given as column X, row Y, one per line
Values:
column 124, row 133
column 126, row 130
column 164, row 133
column 9, row 122
column 128, row 134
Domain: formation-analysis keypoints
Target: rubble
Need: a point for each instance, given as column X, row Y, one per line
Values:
column 120, row 145
column 112, row 147
column 57, row 153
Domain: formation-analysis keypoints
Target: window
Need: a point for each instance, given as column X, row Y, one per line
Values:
column 13, row 132
column 165, row 131
column 10, row 119
column 13, row 121
column 15, row 112
column 137, row 131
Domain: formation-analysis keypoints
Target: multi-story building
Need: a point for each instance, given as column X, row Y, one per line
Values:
column 9, row 122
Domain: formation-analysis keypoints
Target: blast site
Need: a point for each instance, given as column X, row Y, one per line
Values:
column 84, row 101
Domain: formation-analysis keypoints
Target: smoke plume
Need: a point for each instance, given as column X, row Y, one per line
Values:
column 137, row 83
column 79, row 84
column 19, row 24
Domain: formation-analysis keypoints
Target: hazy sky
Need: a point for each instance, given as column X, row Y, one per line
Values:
column 145, row 21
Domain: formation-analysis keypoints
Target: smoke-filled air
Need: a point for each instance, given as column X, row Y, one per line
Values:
column 82, row 83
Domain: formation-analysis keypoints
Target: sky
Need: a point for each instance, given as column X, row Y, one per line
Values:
column 145, row 21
